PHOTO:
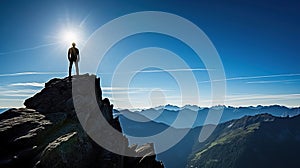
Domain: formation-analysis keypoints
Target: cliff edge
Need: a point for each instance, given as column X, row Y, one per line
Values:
column 47, row 133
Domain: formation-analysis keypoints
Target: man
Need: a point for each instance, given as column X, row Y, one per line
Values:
column 73, row 56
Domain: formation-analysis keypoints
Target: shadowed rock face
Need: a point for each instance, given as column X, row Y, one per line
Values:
column 47, row 132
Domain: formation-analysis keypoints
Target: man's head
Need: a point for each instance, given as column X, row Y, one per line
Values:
column 73, row 44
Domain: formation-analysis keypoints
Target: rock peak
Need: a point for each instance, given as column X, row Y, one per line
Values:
column 57, row 94
column 47, row 133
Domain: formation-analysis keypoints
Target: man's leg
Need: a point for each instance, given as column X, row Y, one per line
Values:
column 77, row 68
column 70, row 68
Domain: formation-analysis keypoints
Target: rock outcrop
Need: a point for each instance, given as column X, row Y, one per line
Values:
column 47, row 133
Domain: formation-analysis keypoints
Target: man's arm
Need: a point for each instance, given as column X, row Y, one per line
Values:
column 78, row 57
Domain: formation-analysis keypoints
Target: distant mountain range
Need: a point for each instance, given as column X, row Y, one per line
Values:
column 188, row 114
column 236, row 123
column 176, row 108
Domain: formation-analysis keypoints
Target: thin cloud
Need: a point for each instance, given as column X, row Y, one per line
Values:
column 30, row 48
column 264, row 76
column 160, row 70
column 175, row 70
column 85, row 19
column 121, row 92
column 253, row 77
column 264, row 97
column 132, row 91
column 255, row 99
column 273, row 81
column 30, row 73
column 11, row 103
column 35, row 84
column 18, row 93
column 113, row 88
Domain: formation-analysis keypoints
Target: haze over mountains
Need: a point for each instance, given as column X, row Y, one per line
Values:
column 193, row 114
column 234, row 143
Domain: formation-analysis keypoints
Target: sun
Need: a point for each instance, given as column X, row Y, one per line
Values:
column 68, row 36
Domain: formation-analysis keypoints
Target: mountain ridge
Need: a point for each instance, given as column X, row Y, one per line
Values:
column 193, row 107
column 252, row 141
column 184, row 150
column 168, row 116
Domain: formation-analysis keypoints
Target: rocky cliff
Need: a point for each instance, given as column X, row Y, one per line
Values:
column 47, row 133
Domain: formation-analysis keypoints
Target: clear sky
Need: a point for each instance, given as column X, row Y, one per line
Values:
column 258, row 43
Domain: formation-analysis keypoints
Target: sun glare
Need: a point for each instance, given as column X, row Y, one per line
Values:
column 70, row 37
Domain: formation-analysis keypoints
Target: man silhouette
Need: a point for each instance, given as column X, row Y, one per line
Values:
column 73, row 56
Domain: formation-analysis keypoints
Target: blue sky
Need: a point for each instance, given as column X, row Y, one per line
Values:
column 257, row 41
